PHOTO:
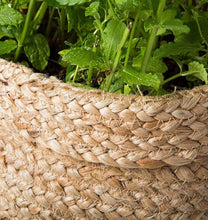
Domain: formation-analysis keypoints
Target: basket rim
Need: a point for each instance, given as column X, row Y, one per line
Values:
column 56, row 81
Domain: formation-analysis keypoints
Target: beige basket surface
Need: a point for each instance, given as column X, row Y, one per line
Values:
column 70, row 153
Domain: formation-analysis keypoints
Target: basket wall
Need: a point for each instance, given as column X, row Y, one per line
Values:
column 70, row 153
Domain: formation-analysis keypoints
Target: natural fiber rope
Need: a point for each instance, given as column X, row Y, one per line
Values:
column 70, row 153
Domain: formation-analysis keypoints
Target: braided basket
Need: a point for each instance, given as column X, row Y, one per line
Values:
column 70, row 153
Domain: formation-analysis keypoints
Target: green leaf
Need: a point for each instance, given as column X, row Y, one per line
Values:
column 37, row 51
column 176, row 49
column 12, row 31
column 56, row 3
column 82, row 57
column 10, row 16
column 175, row 25
column 89, row 41
column 7, row 46
column 127, row 4
column 169, row 22
column 61, row 3
column 200, row 71
column 92, row 10
column 127, row 89
column 155, row 64
column 113, row 34
column 70, row 18
column 131, row 76
column 117, row 85
column 147, row 5
column 73, row 2
column 192, row 37
column 22, row 4
column 145, row 14
column 148, row 24
column 203, row 23
column 167, row 16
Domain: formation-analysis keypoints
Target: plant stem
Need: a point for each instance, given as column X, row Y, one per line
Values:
column 100, row 25
column 89, row 76
column 120, row 47
column 148, row 51
column 75, row 74
column 15, row 3
column 90, row 71
column 190, row 3
column 131, row 38
column 48, row 28
column 111, row 9
column 25, row 29
column 54, row 37
column 152, row 37
column 103, row 37
column 115, row 6
column 160, row 10
column 178, row 75
column 118, row 55
column 62, row 15
column 39, row 15
column 60, row 31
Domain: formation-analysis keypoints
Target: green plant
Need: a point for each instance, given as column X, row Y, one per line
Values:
column 21, row 29
column 136, row 41
column 123, row 46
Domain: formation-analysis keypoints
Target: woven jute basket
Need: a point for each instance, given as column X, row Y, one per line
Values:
column 70, row 153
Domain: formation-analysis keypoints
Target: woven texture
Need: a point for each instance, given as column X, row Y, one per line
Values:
column 70, row 153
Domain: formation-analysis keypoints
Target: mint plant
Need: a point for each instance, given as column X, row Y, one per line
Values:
column 132, row 46
column 128, row 46
column 21, row 31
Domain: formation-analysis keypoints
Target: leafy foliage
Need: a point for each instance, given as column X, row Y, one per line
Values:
column 59, row 3
column 198, row 71
column 169, row 22
column 7, row 46
column 82, row 57
column 113, row 45
column 112, row 36
column 37, row 51
column 127, row 4
column 173, row 49
column 10, row 16
column 132, row 77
